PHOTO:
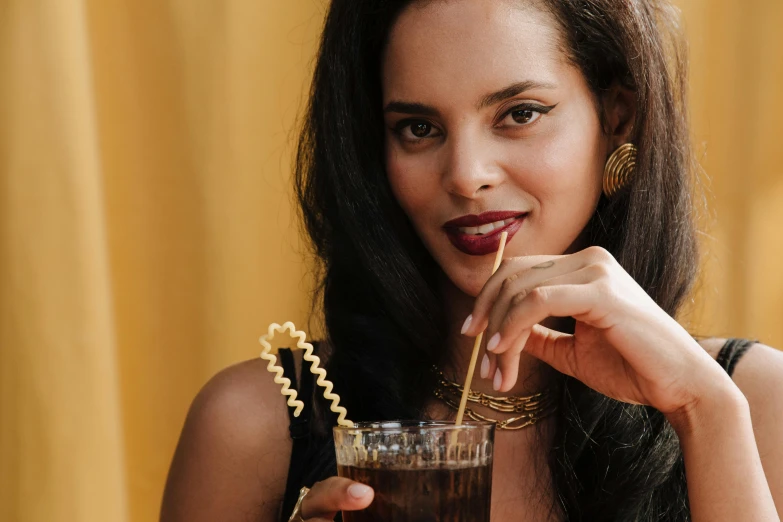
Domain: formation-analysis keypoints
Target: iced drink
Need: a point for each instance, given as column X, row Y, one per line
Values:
column 420, row 471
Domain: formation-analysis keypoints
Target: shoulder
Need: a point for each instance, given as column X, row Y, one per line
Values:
column 759, row 372
column 232, row 458
column 759, row 375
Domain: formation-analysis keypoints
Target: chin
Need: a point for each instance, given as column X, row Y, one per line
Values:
column 467, row 282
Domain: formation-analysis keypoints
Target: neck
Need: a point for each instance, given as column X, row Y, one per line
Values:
column 533, row 374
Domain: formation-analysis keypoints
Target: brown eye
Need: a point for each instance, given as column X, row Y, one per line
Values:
column 421, row 129
column 416, row 131
column 523, row 115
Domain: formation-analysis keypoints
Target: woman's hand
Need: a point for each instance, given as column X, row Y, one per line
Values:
column 334, row 494
column 624, row 345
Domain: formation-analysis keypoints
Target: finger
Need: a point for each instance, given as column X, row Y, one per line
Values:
column 335, row 494
column 503, row 332
column 512, row 289
column 506, row 279
column 552, row 347
column 493, row 366
column 506, row 373
column 554, row 267
column 487, row 365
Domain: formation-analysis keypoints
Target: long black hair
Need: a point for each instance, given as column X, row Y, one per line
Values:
column 378, row 291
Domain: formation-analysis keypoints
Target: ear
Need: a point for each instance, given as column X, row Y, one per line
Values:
column 620, row 111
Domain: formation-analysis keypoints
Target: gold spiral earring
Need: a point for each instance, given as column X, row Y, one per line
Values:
column 619, row 169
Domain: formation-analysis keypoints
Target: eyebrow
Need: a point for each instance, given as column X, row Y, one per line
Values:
column 512, row 90
column 410, row 108
column 486, row 101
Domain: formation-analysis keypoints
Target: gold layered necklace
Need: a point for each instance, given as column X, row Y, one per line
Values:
column 531, row 408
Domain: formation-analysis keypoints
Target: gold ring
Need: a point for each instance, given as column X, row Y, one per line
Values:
column 296, row 516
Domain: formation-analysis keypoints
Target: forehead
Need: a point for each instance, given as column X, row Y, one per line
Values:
column 469, row 46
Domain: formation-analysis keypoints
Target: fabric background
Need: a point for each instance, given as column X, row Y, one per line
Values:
column 147, row 235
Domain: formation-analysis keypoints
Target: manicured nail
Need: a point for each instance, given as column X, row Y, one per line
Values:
column 498, row 380
column 466, row 324
column 485, row 367
column 493, row 343
column 359, row 490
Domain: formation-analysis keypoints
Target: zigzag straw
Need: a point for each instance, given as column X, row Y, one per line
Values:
column 278, row 371
column 314, row 368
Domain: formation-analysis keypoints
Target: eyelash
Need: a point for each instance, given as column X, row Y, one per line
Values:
column 540, row 109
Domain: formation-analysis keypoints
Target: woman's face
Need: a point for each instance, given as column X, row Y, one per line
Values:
column 484, row 113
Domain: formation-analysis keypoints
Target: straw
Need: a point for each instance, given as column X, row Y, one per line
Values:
column 464, row 401
column 308, row 356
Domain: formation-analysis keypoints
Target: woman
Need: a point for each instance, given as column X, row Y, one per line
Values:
column 427, row 121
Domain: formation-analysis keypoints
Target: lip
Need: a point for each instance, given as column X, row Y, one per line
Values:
column 486, row 244
column 472, row 220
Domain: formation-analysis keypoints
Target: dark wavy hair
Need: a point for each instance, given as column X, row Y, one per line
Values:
column 378, row 285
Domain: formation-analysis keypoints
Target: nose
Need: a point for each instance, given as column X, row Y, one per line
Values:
column 471, row 167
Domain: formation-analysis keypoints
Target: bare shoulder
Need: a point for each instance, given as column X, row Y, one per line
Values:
column 232, row 458
column 759, row 374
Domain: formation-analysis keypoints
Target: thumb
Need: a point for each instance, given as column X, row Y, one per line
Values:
column 552, row 347
column 335, row 494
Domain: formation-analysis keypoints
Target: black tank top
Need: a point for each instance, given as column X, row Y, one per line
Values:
column 728, row 357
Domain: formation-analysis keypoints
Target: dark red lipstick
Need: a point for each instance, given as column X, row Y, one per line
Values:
column 477, row 243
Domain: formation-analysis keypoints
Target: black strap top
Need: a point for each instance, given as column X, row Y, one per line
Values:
column 299, row 429
column 732, row 351
column 728, row 357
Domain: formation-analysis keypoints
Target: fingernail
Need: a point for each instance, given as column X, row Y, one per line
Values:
column 466, row 324
column 498, row 380
column 359, row 490
column 485, row 367
column 493, row 343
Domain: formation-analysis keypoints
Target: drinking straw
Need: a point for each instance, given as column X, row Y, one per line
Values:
column 315, row 369
column 474, row 356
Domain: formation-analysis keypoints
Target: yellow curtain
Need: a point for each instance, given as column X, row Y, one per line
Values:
column 147, row 234
column 736, row 81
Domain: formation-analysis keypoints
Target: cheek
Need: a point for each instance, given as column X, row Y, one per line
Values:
column 563, row 174
column 412, row 182
column 566, row 170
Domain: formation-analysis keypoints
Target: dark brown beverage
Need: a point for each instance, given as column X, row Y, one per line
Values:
column 446, row 494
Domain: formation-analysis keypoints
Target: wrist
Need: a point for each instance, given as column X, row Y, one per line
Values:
column 721, row 408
